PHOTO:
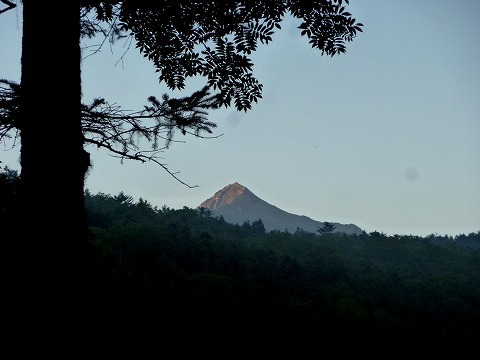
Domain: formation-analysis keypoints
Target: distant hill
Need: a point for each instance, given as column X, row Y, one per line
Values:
column 237, row 204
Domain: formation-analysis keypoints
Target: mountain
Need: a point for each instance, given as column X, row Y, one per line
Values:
column 237, row 204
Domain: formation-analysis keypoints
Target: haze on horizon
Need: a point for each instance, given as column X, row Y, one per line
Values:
column 384, row 136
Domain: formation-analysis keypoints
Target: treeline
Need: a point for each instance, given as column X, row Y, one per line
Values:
column 188, row 268
column 159, row 270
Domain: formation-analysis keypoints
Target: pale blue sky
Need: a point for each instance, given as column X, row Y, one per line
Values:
column 385, row 136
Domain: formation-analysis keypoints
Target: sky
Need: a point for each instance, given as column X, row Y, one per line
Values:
column 385, row 136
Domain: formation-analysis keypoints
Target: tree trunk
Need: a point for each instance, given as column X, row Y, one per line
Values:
column 52, row 248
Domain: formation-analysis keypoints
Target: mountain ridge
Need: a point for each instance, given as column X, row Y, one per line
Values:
column 237, row 204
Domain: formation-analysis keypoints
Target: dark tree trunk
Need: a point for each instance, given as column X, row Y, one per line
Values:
column 52, row 245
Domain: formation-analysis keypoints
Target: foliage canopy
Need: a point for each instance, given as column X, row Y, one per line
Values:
column 182, row 39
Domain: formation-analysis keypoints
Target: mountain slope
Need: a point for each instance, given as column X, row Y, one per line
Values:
column 237, row 204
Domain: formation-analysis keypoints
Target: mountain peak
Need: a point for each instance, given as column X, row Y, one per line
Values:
column 226, row 196
column 237, row 204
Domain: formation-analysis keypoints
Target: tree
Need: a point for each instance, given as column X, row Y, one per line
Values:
column 8, row 185
column 182, row 39
column 258, row 228
column 204, row 212
column 326, row 228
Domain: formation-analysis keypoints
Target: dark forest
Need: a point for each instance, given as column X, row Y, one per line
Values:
column 156, row 270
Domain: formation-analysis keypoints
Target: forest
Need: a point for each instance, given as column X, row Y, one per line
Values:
column 184, row 271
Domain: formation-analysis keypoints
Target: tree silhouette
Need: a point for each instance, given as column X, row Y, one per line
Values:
column 183, row 39
column 121, row 132
column 258, row 227
column 326, row 228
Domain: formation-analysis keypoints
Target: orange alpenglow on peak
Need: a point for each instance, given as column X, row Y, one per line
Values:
column 225, row 196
